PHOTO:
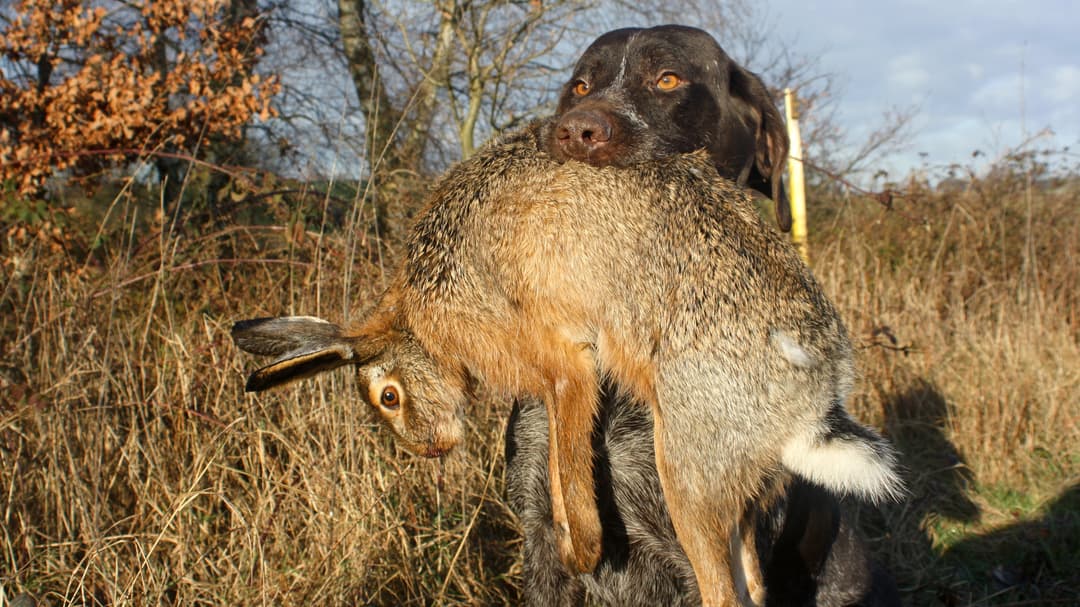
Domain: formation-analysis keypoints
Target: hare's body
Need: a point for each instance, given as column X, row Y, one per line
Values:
column 533, row 277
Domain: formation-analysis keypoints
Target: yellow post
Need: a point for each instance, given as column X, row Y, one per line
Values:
column 796, row 180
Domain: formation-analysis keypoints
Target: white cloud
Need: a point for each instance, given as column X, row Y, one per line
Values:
column 983, row 73
column 1002, row 93
column 1063, row 85
column 907, row 73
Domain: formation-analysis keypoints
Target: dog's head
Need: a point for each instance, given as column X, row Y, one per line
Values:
column 638, row 94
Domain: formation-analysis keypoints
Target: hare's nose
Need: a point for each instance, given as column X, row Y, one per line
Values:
column 436, row 451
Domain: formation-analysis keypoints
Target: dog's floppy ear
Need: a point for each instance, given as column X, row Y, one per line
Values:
column 771, row 141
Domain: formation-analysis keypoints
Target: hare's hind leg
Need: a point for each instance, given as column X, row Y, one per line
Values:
column 572, row 406
column 747, row 569
column 564, row 542
column 708, row 522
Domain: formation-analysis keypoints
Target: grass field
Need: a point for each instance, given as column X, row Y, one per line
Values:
column 135, row 471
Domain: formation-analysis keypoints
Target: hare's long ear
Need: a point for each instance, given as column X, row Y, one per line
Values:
column 304, row 346
column 771, row 142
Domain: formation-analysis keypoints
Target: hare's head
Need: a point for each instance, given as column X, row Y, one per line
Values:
column 420, row 402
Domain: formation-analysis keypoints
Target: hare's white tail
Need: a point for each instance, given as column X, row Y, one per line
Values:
column 846, row 457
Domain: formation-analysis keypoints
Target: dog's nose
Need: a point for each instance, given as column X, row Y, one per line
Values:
column 580, row 133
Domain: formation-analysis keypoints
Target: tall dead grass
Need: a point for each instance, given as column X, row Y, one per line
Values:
column 964, row 307
column 979, row 293
column 134, row 470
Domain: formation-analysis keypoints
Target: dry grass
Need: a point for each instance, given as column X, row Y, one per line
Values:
column 965, row 308
column 134, row 470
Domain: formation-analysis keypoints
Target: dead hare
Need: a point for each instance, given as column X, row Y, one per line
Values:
column 537, row 278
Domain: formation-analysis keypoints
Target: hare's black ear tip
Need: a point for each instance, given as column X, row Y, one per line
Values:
column 255, row 383
column 245, row 325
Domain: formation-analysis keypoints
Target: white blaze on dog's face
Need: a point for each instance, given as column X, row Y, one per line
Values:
column 422, row 405
column 640, row 94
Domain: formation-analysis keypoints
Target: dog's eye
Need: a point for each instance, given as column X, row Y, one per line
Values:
column 390, row 398
column 581, row 88
column 668, row 81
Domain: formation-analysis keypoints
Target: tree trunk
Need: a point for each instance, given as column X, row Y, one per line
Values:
column 381, row 116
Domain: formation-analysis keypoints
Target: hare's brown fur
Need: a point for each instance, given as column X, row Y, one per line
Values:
column 533, row 277
column 599, row 288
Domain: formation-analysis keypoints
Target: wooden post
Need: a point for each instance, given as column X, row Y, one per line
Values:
column 796, row 179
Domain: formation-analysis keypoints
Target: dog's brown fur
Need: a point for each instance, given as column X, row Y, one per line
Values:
column 532, row 276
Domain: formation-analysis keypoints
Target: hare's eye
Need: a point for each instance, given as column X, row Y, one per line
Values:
column 390, row 398
column 668, row 81
column 581, row 88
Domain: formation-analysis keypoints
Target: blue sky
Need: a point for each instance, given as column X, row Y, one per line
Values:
column 982, row 73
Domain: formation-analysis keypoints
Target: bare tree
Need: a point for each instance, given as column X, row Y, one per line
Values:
column 457, row 66
column 411, row 85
